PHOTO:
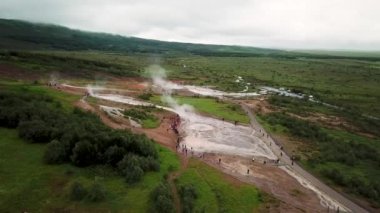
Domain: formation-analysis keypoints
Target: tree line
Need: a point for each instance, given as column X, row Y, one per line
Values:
column 76, row 137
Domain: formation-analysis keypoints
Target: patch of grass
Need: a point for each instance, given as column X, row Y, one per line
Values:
column 27, row 184
column 64, row 98
column 150, row 123
column 341, row 82
column 304, row 107
column 215, row 193
column 144, row 116
column 339, row 157
column 211, row 106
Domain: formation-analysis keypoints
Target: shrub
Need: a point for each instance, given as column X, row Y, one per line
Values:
column 188, row 196
column 84, row 154
column 77, row 191
column 133, row 174
column 145, row 96
column 35, row 131
column 161, row 199
column 55, row 152
column 130, row 167
column 114, row 154
column 96, row 193
column 78, row 137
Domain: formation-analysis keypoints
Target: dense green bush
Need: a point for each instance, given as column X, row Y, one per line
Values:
column 133, row 167
column 114, row 154
column 96, row 193
column 84, row 153
column 77, row 191
column 188, row 196
column 77, row 137
column 296, row 127
column 35, row 131
column 145, row 96
column 162, row 199
column 55, row 153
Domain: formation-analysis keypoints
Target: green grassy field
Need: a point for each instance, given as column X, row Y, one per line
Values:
column 211, row 106
column 30, row 185
column 346, row 160
column 347, row 82
column 216, row 194
column 65, row 99
column 150, row 123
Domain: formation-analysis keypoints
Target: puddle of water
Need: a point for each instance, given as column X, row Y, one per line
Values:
column 282, row 92
column 121, row 99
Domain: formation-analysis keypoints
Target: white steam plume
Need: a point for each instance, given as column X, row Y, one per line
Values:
column 158, row 75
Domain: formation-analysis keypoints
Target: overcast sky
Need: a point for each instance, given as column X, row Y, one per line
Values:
column 289, row 24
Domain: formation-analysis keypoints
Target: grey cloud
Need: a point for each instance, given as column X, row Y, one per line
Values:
column 331, row 24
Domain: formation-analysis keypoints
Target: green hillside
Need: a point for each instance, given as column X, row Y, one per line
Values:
column 15, row 34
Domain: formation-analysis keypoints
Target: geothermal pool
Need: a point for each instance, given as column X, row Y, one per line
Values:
column 208, row 135
column 203, row 134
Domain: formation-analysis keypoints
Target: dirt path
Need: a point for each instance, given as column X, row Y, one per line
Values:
column 277, row 149
column 177, row 201
column 171, row 180
column 270, row 179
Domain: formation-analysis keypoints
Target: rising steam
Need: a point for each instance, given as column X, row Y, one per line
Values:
column 158, row 75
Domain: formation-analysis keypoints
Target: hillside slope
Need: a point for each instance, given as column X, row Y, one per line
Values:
column 15, row 34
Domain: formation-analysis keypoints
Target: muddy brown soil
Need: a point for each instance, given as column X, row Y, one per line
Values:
column 162, row 134
column 269, row 178
column 260, row 105
column 13, row 72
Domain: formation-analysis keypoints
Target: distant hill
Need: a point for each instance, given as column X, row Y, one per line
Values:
column 346, row 53
column 23, row 35
column 17, row 35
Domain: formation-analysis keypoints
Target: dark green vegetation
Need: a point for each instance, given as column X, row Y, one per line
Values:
column 15, row 34
column 95, row 193
column 31, row 184
column 144, row 116
column 24, row 35
column 80, row 67
column 351, row 84
column 304, row 107
column 188, row 195
column 78, row 137
column 162, row 199
column 28, row 184
column 60, row 176
column 346, row 83
column 345, row 159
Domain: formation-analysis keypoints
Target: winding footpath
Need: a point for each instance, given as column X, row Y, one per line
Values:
column 285, row 159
